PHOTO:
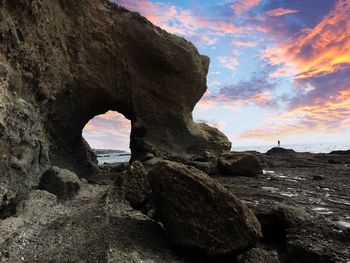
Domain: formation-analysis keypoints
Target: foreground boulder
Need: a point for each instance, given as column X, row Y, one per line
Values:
column 199, row 215
column 61, row 182
column 239, row 164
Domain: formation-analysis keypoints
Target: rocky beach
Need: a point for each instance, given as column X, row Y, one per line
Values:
column 183, row 196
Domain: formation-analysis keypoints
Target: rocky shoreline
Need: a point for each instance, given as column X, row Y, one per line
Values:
column 301, row 201
column 184, row 197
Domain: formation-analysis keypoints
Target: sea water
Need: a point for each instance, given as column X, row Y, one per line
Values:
column 114, row 158
column 312, row 148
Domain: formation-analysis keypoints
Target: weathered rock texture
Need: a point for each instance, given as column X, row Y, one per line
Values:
column 199, row 215
column 62, row 62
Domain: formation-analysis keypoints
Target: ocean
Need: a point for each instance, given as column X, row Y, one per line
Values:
column 313, row 148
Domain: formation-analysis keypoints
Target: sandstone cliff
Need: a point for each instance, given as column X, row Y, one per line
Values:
column 62, row 62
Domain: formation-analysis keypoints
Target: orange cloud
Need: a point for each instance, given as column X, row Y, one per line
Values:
column 281, row 12
column 321, row 50
column 328, row 115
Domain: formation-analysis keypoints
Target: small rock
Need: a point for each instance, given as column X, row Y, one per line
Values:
column 239, row 164
column 61, row 182
column 199, row 215
column 259, row 255
column 318, row 178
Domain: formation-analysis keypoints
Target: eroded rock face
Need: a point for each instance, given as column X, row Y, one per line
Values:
column 63, row 62
column 199, row 215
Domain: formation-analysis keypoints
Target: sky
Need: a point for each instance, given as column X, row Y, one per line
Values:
column 280, row 69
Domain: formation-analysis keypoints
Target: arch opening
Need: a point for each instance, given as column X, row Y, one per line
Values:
column 108, row 135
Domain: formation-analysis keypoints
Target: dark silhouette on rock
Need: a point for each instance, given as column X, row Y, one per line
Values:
column 341, row 152
column 279, row 150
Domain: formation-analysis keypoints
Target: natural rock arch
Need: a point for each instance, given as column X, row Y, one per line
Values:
column 63, row 62
column 110, row 130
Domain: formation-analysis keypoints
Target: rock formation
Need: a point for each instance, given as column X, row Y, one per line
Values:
column 62, row 62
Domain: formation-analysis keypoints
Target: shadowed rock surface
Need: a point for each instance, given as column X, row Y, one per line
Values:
column 199, row 215
column 62, row 62
column 239, row 164
column 60, row 182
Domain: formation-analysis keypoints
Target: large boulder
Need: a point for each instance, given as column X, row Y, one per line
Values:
column 239, row 164
column 61, row 182
column 63, row 62
column 199, row 215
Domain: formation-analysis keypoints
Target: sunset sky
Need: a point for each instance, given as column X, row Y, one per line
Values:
column 280, row 69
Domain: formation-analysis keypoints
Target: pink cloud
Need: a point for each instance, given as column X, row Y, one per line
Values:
column 327, row 115
column 242, row 6
column 228, row 62
column 108, row 131
column 281, row 12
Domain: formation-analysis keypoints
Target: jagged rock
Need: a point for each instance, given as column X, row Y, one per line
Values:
column 259, row 255
column 279, row 150
column 61, row 182
column 199, row 215
column 135, row 185
column 105, row 58
column 318, row 178
column 239, row 164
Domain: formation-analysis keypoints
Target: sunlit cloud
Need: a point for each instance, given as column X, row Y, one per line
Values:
column 323, row 49
column 244, row 43
column 327, row 115
column 217, row 124
column 281, row 12
column 228, row 62
column 242, row 6
column 200, row 29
